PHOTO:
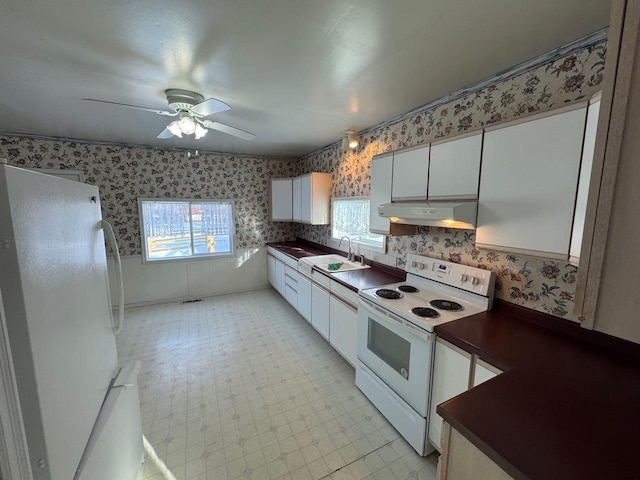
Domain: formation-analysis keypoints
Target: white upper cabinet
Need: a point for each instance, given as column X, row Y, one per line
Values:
column 297, row 196
column 585, row 177
column 281, row 199
column 304, row 199
column 528, row 183
column 380, row 191
column 312, row 198
column 454, row 168
column 410, row 170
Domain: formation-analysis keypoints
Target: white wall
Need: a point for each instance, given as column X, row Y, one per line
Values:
column 181, row 279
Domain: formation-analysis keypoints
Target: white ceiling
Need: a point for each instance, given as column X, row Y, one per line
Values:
column 297, row 73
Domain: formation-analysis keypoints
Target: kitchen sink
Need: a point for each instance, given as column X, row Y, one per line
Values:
column 344, row 265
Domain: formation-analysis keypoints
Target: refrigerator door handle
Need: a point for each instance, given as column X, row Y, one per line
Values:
column 111, row 238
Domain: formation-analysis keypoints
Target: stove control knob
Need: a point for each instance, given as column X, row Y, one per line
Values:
column 464, row 277
column 475, row 280
column 421, row 266
column 414, row 264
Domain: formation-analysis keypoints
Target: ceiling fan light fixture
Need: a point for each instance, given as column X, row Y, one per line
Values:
column 187, row 124
column 174, row 128
column 200, row 131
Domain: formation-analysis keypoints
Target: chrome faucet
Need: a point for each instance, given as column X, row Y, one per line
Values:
column 349, row 255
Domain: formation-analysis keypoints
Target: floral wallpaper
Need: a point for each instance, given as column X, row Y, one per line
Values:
column 537, row 283
column 123, row 174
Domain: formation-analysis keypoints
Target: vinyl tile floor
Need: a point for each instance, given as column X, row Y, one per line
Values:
column 241, row 387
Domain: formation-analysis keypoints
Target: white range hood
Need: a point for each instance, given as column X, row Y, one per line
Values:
column 434, row 214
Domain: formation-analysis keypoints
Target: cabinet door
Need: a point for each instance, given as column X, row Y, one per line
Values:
column 343, row 329
column 380, row 191
column 451, row 371
column 279, row 277
column 482, row 371
column 528, row 185
column 454, row 168
column 304, row 297
column 281, row 200
column 297, row 199
column 585, row 177
column 320, row 301
column 271, row 270
column 320, row 198
column 410, row 170
column 305, row 199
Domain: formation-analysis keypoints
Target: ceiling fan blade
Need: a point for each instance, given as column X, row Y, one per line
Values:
column 209, row 107
column 153, row 110
column 166, row 133
column 221, row 127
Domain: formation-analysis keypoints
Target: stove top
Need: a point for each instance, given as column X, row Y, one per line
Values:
column 435, row 292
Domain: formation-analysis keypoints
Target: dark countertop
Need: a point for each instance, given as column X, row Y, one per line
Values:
column 566, row 407
column 376, row 276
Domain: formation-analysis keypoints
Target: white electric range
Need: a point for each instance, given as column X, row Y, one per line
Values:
column 396, row 341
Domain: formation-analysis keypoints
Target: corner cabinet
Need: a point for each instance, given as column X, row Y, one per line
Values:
column 304, row 199
column 312, row 198
column 454, row 372
column 528, row 183
column 451, row 373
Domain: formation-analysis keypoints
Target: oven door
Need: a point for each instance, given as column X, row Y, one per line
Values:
column 397, row 351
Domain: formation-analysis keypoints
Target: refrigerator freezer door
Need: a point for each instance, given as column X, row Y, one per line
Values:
column 115, row 449
column 54, row 283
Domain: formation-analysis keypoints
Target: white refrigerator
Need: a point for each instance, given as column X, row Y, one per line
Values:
column 80, row 410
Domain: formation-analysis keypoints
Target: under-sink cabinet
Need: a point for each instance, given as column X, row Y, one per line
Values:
column 454, row 372
column 320, row 309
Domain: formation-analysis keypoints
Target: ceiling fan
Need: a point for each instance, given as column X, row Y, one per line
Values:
column 191, row 108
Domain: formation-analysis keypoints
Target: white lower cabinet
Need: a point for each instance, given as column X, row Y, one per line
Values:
column 325, row 303
column 482, row 371
column 291, row 286
column 304, row 297
column 320, row 310
column 451, row 371
column 271, row 270
column 454, row 372
column 342, row 331
column 279, row 277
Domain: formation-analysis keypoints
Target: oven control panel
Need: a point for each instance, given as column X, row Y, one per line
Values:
column 468, row 278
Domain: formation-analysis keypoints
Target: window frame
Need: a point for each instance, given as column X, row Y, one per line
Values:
column 366, row 246
column 143, row 240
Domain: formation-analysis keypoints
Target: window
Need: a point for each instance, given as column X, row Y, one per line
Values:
column 350, row 217
column 179, row 229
